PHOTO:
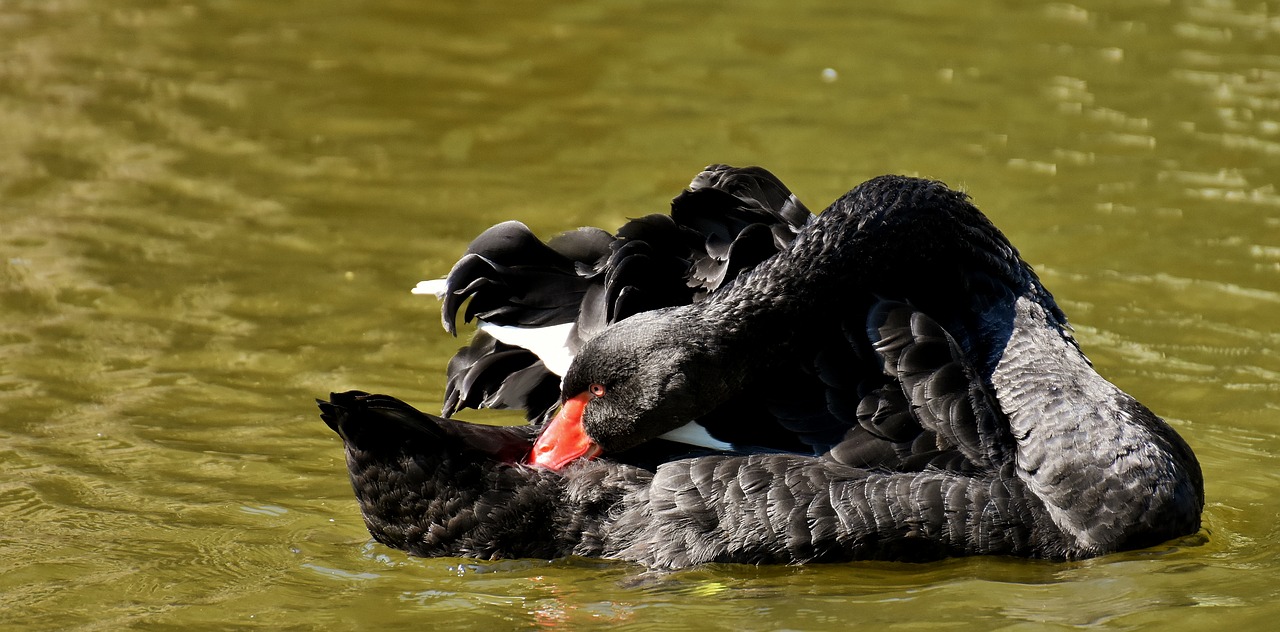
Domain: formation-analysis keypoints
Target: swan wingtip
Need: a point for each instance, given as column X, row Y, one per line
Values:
column 436, row 287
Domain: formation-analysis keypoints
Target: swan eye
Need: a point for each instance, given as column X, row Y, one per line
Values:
column 597, row 389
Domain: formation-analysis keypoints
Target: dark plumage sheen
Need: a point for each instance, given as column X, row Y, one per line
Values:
column 892, row 379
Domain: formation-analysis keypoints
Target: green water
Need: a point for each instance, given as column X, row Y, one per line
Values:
column 212, row 212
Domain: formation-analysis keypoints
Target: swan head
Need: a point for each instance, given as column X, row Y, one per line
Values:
column 642, row 377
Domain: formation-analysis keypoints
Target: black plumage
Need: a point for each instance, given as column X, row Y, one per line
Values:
column 893, row 379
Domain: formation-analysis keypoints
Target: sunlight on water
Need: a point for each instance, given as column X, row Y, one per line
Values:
column 213, row 212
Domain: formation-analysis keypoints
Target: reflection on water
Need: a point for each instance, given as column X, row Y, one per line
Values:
column 212, row 212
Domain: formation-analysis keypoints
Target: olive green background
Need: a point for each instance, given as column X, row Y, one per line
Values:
column 212, row 212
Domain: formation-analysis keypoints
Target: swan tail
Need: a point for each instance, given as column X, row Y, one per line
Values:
column 434, row 487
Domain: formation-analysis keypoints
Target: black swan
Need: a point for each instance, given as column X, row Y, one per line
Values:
column 743, row 381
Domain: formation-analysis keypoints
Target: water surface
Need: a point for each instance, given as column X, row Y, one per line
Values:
column 211, row 213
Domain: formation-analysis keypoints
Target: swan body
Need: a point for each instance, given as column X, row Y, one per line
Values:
column 743, row 381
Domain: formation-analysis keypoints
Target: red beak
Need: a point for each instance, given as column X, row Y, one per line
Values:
column 564, row 440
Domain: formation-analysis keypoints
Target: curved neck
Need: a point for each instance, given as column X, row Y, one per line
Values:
column 897, row 238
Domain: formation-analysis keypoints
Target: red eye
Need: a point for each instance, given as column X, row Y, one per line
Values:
column 597, row 390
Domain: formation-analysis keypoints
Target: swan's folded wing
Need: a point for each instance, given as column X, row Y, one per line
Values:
column 512, row 278
column 944, row 392
column 490, row 374
column 897, row 393
column 757, row 188
column 583, row 281
column 780, row 508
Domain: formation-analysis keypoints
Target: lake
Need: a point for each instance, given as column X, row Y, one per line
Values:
column 212, row 212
